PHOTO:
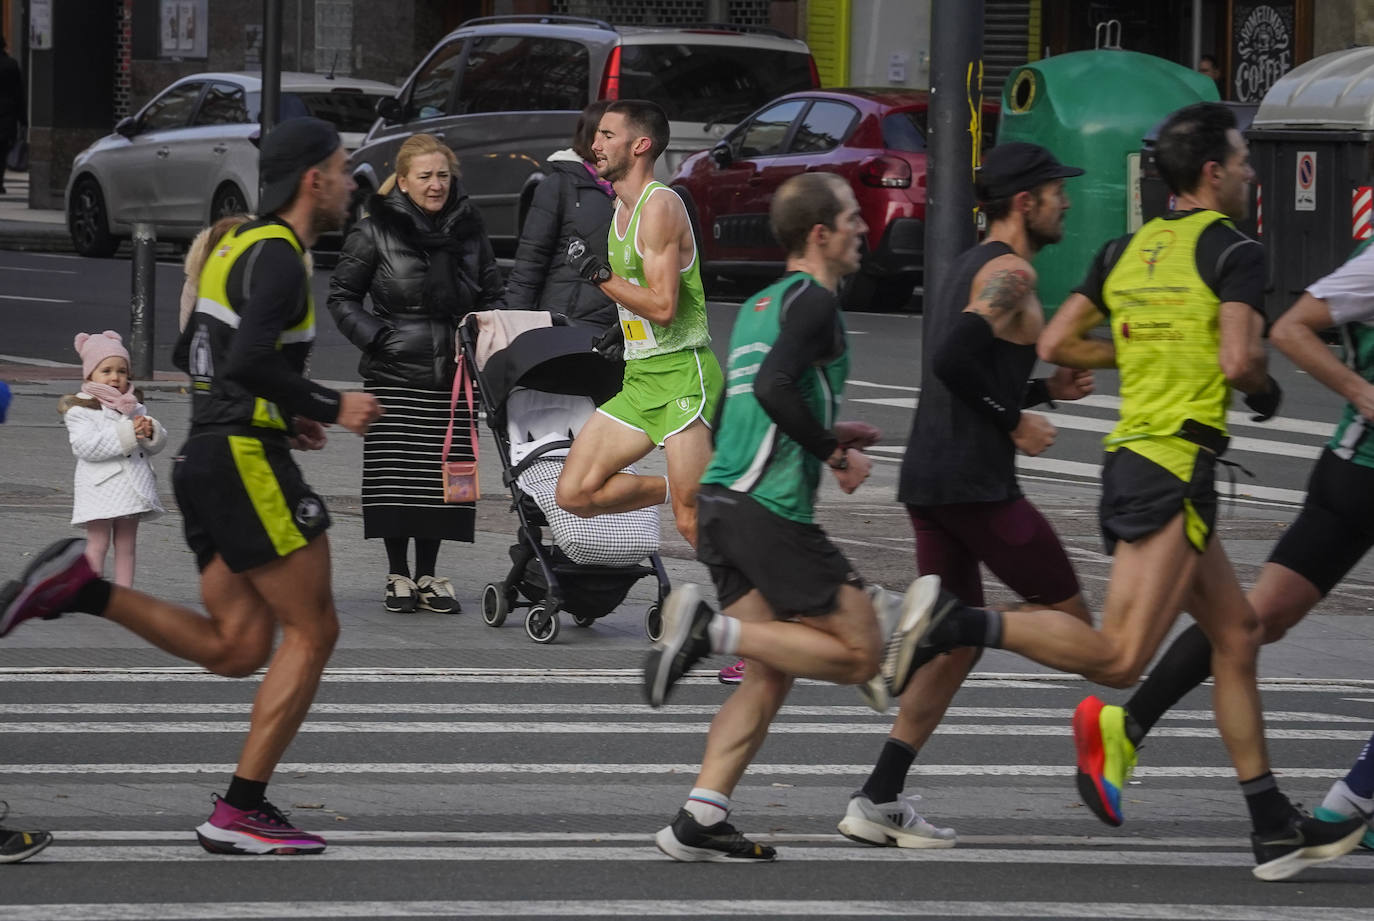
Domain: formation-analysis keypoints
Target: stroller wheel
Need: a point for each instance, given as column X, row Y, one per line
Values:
column 494, row 605
column 541, row 624
column 581, row 621
column 653, row 623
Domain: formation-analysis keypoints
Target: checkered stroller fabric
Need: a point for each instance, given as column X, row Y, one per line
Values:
column 536, row 419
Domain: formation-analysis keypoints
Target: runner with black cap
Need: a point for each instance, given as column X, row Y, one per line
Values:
column 958, row 475
column 1183, row 296
column 256, row 528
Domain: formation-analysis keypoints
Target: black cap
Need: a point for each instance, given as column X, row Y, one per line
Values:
column 1018, row 167
column 286, row 153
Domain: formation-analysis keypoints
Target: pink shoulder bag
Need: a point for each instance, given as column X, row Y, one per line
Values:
column 460, row 477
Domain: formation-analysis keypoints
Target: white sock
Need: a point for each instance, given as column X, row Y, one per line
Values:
column 724, row 633
column 667, row 491
column 707, row 806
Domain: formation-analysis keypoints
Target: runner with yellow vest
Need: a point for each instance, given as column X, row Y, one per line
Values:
column 1184, row 296
column 256, row 528
column 672, row 381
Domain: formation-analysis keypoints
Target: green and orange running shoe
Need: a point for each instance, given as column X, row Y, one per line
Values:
column 1106, row 758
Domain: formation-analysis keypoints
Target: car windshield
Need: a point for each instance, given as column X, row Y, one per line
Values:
column 346, row 110
column 706, row 83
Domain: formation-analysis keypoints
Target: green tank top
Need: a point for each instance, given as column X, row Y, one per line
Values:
column 1351, row 441
column 751, row 455
column 1165, row 325
column 688, row 329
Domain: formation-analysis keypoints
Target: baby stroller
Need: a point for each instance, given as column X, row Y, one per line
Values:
column 538, row 384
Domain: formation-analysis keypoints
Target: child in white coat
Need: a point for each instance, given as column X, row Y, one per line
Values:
column 112, row 436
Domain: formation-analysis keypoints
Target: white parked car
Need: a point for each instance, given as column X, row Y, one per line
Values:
column 189, row 156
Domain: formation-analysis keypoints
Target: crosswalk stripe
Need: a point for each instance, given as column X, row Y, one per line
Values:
column 656, row 727
column 1058, row 714
column 677, row 908
column 680, row 769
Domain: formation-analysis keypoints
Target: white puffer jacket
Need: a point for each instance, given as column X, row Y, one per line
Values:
column 113, row 475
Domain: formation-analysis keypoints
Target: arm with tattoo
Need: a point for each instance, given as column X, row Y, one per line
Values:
column 1002, row 295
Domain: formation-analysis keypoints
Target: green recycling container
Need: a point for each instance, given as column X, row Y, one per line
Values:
column 1091, row 109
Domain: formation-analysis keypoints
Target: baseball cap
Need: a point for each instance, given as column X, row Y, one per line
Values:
column 290, row 149
column 1018, row 166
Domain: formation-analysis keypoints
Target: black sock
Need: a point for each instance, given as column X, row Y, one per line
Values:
column 246, row 794
column 1185, row 664
column 966, row 626
column 1269, row 809
column 426, row 557
column 93, row 597
column 396, row 555
column 889, row 774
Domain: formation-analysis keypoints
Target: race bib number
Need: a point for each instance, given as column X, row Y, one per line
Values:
column 639, row 333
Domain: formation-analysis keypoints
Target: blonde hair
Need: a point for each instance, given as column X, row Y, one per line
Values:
column 197, row 253
column 418, row 145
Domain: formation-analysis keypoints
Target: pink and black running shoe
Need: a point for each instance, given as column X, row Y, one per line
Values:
column 47, row 586
column 731, row 674
column 264, row 830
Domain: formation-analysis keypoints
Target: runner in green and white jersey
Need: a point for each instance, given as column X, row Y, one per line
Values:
column 672, row 381
column 794, row 607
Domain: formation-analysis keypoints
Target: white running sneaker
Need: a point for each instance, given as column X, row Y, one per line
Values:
column 892, row 824
column 923, row 608
column 887, row 606
column 1342, row 803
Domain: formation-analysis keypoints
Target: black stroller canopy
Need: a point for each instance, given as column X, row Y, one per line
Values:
column 552, row 359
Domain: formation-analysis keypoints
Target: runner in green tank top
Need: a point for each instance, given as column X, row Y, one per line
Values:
column 672, row 381
column 1158, row 496
column 793, row 606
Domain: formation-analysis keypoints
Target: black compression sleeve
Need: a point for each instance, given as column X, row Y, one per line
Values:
column 963, row 365
column 810, row 334
column 255, row 362
column 1233, row 265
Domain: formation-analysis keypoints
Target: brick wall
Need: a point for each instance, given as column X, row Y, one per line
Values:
column 123, row 78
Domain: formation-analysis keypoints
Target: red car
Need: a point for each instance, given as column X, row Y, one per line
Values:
column 875, row 138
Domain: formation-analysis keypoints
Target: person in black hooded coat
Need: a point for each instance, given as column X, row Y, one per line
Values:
column 423, row 256
column 571, row 201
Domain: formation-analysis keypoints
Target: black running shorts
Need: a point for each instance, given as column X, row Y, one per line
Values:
column 745, row 546
column 1335, row 528
column 243, row 498
column 1140, row 496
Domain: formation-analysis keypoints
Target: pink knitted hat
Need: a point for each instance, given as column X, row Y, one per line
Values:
column 94, row 349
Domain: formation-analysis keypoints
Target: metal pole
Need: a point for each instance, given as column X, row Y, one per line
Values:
column 271, row 64
column 141, row 303
column 1197, row 34
column 300, row 38
column 956, row 100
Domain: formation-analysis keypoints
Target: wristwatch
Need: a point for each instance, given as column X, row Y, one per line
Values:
column 842, row 464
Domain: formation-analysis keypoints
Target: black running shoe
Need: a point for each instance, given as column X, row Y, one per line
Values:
column 20, row 845
column 690, row 841
column 1305, row 841
column 685, row 642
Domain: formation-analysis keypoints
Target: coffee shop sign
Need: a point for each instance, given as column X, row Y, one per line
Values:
column 1265, row 51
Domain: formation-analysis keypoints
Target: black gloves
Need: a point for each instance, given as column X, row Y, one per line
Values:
column 587, row 263
column 611, row 343
column 1265, row 403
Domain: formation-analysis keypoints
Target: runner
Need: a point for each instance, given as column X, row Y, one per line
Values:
column 1334, row 530
column 793, row 605
column 256, row 528
column 18, row 845
column 1184, row 296
column 672, row 381
column 958, row 476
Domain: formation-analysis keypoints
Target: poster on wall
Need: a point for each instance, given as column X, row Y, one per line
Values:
column 1262, row 44
column 183, row 29
column 40, row 25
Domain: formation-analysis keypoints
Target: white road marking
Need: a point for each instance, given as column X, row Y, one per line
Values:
column 16, row 268
column 35, row 300
column 678, row 908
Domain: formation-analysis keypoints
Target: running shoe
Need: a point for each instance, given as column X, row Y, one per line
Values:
column 690, row 841
column 436, row 594
column 887, row 608
column 47, row 585
column 685, row 642
column 264, row 830
column 1106, row 758
column 731, row 674
column 1304, row 842
column 20, row 845
column 402, row 595
column 924, row 607
column 1342, row 803
column 892, row 824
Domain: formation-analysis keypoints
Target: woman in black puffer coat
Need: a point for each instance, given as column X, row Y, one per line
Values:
column 424, row 258
column 571, row 201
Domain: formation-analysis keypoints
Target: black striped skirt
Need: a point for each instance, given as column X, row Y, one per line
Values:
column 403, row 494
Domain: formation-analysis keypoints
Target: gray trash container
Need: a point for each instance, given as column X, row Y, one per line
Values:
column 1310, row 144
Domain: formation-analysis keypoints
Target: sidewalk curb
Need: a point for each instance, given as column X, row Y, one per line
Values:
column 33, row 236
